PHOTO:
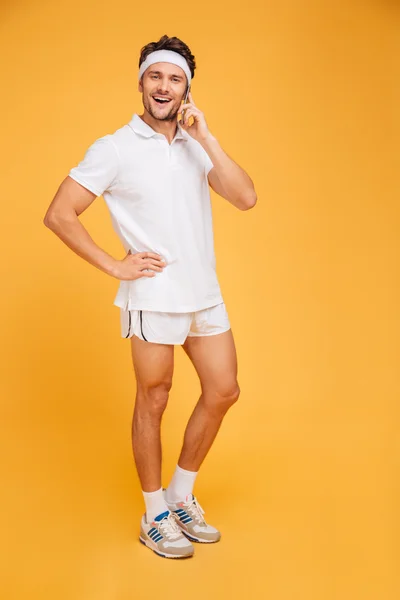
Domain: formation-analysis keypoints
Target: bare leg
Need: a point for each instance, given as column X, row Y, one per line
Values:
column 214, row 358
column 153, row 365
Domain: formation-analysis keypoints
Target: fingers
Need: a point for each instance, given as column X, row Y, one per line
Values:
column 147, row 274
column 148, row 255
column 150, row 258
column 152, row 261
column 186, row 118
column 148, row 264
column 190, row 111
column 186, row 106
column 151, row 264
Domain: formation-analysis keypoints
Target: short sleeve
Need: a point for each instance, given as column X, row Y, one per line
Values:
column 208, row 163
column 99, row 167
column 203, row 157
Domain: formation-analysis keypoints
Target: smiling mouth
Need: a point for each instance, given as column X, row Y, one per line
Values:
column 161, row 101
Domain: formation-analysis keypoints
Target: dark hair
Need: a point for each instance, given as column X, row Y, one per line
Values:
column 169, row 43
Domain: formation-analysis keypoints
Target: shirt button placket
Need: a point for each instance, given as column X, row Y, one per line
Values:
column 172, row 154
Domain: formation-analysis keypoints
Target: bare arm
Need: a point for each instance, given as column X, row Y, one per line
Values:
column 70, row 201
column 227, row 178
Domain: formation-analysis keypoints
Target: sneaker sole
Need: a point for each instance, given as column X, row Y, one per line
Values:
column 164, row 555
column 200, row 541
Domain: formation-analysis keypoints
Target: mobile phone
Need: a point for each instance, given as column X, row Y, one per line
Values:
column 184, row 101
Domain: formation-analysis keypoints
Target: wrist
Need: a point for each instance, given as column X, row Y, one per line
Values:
column 207, row 139
column 112, row 267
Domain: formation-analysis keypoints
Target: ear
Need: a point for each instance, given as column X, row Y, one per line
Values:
column 140, row 86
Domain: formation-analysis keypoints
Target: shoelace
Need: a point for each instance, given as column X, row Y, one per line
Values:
column 195, row 510
column 169, row 527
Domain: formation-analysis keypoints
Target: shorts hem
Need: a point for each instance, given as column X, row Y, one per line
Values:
column 152, row 342
column 179, row 343
column 208, row 334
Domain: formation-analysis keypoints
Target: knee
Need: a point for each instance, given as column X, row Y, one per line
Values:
column 153, row 399
column 231, row 395
column 224, row 397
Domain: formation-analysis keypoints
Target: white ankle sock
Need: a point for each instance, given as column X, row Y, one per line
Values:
column 155, row 504
column 181, row 485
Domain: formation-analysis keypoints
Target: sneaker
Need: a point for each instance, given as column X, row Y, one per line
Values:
column 164, row 537
column 190, row 519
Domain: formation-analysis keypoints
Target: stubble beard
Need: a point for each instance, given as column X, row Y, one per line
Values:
column 169, row 116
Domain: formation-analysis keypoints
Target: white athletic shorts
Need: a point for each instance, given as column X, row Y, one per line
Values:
column 173, row 328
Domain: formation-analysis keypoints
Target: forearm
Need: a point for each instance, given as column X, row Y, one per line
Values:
column 235, row 181
column 71, row 231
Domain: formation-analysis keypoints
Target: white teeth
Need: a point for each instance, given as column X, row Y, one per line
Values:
column 163, row 99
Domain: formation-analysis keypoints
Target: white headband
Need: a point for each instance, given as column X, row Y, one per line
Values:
column 166, row 56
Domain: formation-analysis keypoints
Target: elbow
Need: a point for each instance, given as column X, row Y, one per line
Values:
column 249, row 201
column 50, row 220
column 47, row 221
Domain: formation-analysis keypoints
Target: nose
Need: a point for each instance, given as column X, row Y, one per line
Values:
column 163, row 86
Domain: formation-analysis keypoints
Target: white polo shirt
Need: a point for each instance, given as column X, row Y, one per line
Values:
column 159, row 201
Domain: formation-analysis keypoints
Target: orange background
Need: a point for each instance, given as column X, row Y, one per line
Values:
column 303, row 477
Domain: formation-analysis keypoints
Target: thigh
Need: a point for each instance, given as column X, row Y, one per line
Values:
column 153, row 363
column 215, row 360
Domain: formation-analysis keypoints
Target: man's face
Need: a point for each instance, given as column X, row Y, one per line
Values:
column 166, row 82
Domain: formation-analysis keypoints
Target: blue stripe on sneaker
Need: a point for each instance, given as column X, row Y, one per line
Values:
column 162, row 515
column 187, row 520
column 154, row 534
column 152, row 530
column 179, row 511
column 157, row 538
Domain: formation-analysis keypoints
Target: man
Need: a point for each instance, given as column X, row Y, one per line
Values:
column 154, row 174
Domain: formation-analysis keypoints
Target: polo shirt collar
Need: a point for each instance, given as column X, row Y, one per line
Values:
column 142, row 128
